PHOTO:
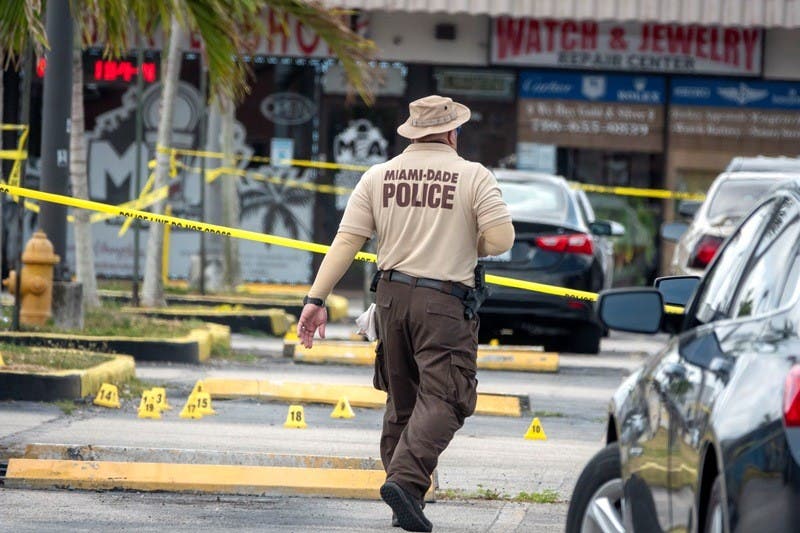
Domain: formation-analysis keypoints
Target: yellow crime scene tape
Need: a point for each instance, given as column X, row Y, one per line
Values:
column 638, row 192
column 192, row 225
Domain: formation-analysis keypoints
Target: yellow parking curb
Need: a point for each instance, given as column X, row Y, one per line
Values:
column 118, row 370
column 363, row 353
column 357, row 395
column 229, row 479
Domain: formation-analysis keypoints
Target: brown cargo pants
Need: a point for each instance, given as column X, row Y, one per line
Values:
column 425, row 362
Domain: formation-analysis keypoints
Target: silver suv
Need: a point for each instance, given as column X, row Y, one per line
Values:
column 730, row 197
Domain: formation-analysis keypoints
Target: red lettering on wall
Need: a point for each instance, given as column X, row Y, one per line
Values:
column 509, row 36
column 306, row 48
column 276, row 30
column 589, row 32
column 750, row 38
column 659, row 30
column 732, row 46
column 702, row 42
column 533, row 44
column 679, row 39
column 551, row 26
column 569, row 41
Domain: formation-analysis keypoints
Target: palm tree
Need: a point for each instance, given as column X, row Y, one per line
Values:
column 278, row 199
column 84, row 252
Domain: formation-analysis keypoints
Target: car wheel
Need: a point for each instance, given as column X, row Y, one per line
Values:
column 715, row 517
column 585, row 340
column 596, row 504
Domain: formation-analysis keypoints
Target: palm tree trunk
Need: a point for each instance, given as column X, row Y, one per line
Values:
column 213, row 208
column 84, row 253
column 230, row 200
column 153, row 288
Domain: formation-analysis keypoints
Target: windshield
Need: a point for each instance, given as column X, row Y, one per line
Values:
column 535, row 199
column 735, row 198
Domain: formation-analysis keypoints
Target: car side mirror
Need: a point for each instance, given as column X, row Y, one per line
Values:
column 617, row 229
column 677, row 290
column 634, row 310
column 689, row 208
column 601, row 228
column 672, row 231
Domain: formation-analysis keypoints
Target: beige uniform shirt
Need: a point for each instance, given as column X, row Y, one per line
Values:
column 428, row 206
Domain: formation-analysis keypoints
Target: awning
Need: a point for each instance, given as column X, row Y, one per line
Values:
column 762, row 13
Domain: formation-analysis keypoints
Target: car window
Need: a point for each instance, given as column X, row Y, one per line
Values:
column 761, row 286
column 792, row 285
column 537, row 199
column 734, row 198
column 712, row 302
column 585, row 207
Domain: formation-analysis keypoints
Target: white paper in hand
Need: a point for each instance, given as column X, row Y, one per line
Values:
column 366, row 323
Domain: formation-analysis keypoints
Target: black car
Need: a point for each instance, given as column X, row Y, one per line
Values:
column 706, row 435
column 558, row 242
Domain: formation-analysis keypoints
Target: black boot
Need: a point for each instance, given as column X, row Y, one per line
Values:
column 406, row 508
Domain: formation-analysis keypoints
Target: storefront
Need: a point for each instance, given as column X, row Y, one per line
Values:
column 640, row 104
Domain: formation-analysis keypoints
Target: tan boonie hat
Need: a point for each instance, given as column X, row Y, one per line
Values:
column 433, row 114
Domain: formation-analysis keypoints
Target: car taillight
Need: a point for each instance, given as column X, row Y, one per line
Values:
column 791, row 397
column 704, row 251
column 574, row 243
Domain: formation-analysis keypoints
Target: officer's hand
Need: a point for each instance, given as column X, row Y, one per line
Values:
column 312, row 317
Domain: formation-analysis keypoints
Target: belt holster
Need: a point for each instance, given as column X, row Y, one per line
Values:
column 373, row 287
column 477, row 295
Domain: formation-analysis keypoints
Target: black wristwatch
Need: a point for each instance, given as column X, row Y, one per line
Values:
column 316, row 301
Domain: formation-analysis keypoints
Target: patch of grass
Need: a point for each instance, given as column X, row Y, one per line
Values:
column 32, row 358
column 484, row 493
column 66, row 406
column 110, row 321
column 544, row 496
column 549, row 414
column 221, row 349
column 134, row 387
column 239, row 357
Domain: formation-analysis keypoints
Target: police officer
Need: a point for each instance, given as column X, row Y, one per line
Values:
column 434, row 214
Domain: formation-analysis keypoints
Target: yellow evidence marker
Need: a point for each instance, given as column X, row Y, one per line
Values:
column 198, row 387
column 2, row 363
column 295, row 418
column 190, row 410
column 148, row 408
column 202, row 400
column 535, row 431
column 161, row 398
column 107, row 396
column 343, row 409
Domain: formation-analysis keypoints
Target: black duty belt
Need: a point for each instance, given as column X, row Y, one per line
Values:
column 456, row 289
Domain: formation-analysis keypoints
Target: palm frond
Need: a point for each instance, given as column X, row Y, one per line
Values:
column 20, row 20
column 353, row 50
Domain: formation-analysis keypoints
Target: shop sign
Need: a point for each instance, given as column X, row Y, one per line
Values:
column 281, row 151
column 285, row 36
column 497, row 85
column 288, row 109
column 630, row 46
column 613, row 111
column 387, row 81
column 760, row 116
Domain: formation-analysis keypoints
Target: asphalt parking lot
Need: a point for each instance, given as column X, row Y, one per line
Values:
column 489, row 477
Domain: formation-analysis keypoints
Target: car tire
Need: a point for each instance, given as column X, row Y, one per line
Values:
column 586, row 339
column 715, row 513
column 598, row 493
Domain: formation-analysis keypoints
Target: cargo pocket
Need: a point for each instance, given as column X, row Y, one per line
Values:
column 379, row 377
column 463, row 372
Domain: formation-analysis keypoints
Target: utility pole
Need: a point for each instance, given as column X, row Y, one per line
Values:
column 55, row 128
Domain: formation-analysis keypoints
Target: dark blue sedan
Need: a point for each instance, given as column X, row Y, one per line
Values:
column 706, row 435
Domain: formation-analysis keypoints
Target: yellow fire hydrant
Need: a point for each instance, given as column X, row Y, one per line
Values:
column 36, row 285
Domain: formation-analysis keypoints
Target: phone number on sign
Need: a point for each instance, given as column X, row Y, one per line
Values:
column 591, row 127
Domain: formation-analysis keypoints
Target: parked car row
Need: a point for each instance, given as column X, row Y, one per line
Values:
column 705, row 436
